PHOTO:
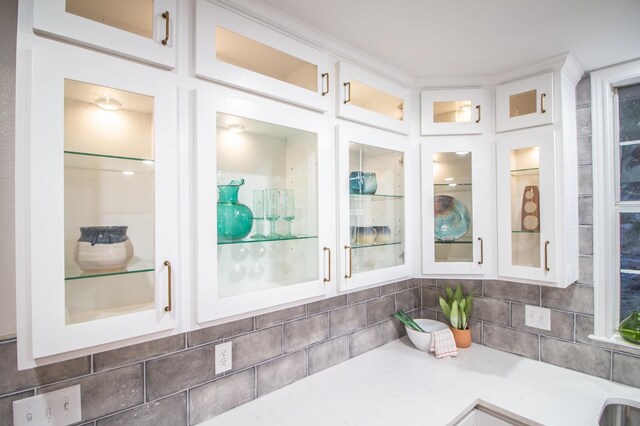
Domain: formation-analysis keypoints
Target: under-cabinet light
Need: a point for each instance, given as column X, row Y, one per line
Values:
column 107, row 103
column 453, row 184
column 148, row 162
column 235, row 128
column 127, row 172
column 462, row 152
column 448, row 179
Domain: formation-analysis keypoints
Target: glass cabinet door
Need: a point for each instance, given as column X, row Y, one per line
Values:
column 259, row 212
column 524, row 103
column 455, row 112
column 373, row 218
column 457, row 206
column 103, row 202
column 369, row 99
column 527, row 206
column 141, row 29
column 238, row 51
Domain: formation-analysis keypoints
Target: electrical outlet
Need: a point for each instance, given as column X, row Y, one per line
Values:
column 535, row 316
column 56, row 408
column 223, row 357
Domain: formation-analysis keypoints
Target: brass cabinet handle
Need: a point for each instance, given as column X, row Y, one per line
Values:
column 325, row 75
column 546, row 256
column 168, row 265
column 478, row 108
column 347, row 95
column 348, row 249
column 542, row 96
column 327, row 249
column 165, row 15
column 481, row 261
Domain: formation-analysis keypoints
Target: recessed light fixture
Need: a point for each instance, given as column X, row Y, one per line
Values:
column 448, row 179
column 127, row 172
column 462, row 152
column 453, row 184
column 107, row 103
column 235, row 128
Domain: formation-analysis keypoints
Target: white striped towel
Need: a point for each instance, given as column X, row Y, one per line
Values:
column 443, row 343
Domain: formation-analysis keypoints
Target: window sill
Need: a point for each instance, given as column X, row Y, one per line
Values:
column 616, row 339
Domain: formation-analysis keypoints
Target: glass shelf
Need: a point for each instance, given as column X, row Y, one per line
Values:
column 375, row 197
column 359, row 246
column 108, row 163
column 465, row 241
column 73, row 272
column 250, row 240
column 440, row 185
column 525, row 232
column 525, row 172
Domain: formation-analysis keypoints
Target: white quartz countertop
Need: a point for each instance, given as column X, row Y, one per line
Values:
column 397, row 384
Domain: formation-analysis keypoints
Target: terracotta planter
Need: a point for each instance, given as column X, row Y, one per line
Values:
column 462, row 337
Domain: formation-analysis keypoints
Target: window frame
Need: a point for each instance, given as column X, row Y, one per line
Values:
column 606, row 244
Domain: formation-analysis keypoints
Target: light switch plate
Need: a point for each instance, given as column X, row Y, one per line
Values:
column 535, row 316
column 56, row 408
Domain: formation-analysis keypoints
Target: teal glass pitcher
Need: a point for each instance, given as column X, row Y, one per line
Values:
column 234, row 219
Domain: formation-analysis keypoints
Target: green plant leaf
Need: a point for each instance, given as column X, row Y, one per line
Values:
column 463, row 318
column 459, row 296
column 449, row 293
column 462, row 304
column 446, row 309
column 455, row 314
column 469, row 305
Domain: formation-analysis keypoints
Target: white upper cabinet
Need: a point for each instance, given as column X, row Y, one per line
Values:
column 458, row 206
column 266, row 238
column 97, row 215
column 455, row 112
column 525, row 103
column 139, row 29
column 233, row 49
column 369, row 99
column 372, row 190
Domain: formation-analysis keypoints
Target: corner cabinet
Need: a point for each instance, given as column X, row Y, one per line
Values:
column 97, row 212
column 369, row 99
column 236, row 50
column 458, row 206
column 143, row 30
column 455, row 112
column 525, row 103
column 265, row 221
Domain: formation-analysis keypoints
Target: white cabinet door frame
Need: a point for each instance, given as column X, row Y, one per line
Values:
column 481, row 112
column 543, row 85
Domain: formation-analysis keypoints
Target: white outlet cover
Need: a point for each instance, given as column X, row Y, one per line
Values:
column 535, row 316
column 223, row 356
column 56, row 408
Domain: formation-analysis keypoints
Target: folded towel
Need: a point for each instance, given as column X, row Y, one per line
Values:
column 443, row 343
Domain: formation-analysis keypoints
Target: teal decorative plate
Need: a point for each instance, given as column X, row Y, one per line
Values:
column 452, row 219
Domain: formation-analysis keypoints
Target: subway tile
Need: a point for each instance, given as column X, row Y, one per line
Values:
column 585, row 270
column 326, row 304
column 180, row 371
column 429, row 282
column 583, row 358
column 491, row 310
column 583, row 120
column 415, row 282
column 584, row 327
column 167, row 411
column 468, row 286
column 136, row 353
column 430, row 297
column 585, row 180
column 209, row 400
column 281, row 371
column 408, row 300
column 476, row 331
column 428, row 313
column 278, row 317
column 575, row 298
column 394, row 288
column 509, row 340
column 585, row 156
column 305, row 332
column 380, row 309
column 6, row 406
column 107, row 392
column 586, row 239
column 347, row 319
column 219, row 332
column 625, row 369
column 363, row 295
column 364, row 340
column 328, row 354
column 14, row 380
column 523, row 293
column 392, row 329
column 583, row 91
column 585, row 210
column 253, row 348
column 561, row 323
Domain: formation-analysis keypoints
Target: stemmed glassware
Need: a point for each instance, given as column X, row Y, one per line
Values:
column 258, row 213
column 272, row 210
column 288, row 206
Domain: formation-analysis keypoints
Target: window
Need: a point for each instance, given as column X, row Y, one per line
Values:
column 616, row 196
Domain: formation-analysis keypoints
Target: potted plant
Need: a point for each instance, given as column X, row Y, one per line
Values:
column 456, row 309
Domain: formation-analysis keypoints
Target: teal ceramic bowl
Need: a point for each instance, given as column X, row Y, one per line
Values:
column 452, row 219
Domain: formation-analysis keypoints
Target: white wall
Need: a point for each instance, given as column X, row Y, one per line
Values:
column 8, row 24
